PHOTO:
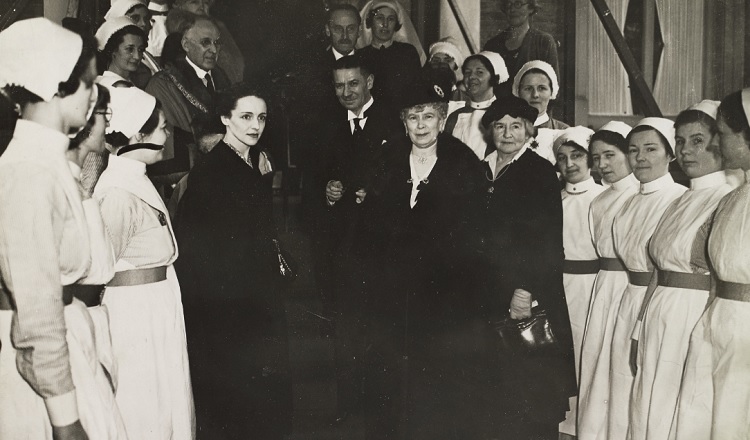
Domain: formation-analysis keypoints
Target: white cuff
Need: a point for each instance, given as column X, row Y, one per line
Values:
column 636, row 331
column 62, row 409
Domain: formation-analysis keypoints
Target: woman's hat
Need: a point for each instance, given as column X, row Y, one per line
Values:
column 446, row 46
column 618, row 127
column 38, row 55
column 434, row 84
column 707, row 106
column 664, row 126
column 131, row 108
column 497, row 62
column 121, row 7
column 512, row 106
column 109, row 27
column 579, row 135
column 544, row 67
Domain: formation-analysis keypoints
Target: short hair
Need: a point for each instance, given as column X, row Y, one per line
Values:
column 117, row 139
column 102, row 103
column 532, row 4
column 344, row 7
column 191, row 20
column 691, row 115
column 733, row 114
column 529, row 128
column 21, row 96
column 610, row 138
column 662, row 139
column 226, row 100
column 114, row 42
column 441, row 107
column 354, row 61
column 373, row 12
column 495, row 77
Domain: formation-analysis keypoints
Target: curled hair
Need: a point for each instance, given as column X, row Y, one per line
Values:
column 610, row 138
column 662, row 139
column 494, row 77
column 733, row 114
column 102, row 103
column 226, row 100
column 20, row 96
column 441, row 107
column 117, row 39
column 690, row 116
column 529, row 128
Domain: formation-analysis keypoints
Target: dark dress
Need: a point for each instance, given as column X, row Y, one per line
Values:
column 395, row 67
column 233, row 300
column 431, row 374
column 523, row 239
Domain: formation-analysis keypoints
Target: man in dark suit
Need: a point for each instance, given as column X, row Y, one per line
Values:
column 352, row 145
column 188, row 87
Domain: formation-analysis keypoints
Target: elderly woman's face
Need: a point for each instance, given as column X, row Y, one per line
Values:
column 698, row 153
column 518, row 11
column 128, row 55
column 573, row 163
column 735, row 149
column 423, row 124
column 648, row 156
column 509, row 134
column 443, row 58
column 535, row 88
column 478, row 81
column 247, row 121
column 609, row 161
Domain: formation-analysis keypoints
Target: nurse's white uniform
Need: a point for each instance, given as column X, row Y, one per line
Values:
column 632, row 229
column 678, row 245
column 579, row 269
column 605, row 302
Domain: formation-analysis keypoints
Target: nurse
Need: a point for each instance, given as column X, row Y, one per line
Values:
column 678, row 249
column 143, row 298
column 581, row 261
column 609, row 149
column 650, row 150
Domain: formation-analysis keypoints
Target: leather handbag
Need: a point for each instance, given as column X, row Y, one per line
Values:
column 530, row 336
column 286, row 271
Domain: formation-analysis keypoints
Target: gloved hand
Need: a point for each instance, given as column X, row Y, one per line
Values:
column 520, row 304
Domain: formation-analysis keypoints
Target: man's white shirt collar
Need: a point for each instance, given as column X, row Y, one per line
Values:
column 198, row 71
column 338, row 55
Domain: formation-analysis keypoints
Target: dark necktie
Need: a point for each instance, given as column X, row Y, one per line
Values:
column 210, row 84
column 357, row 126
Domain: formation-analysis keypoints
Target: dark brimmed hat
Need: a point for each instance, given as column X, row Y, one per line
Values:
column 512, row 106
column 434, row 84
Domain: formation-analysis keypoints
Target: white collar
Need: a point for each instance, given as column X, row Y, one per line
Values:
column 581, row 187
column 656, row 184
column 127, row 165
column 75, row 170
column 378, row 45
column 625, row 183
column 541, row 119
column 424, row 152
column 491, row 158
column 338, row 55
column 365, row 107
column 46, row 138
column 198, row 71
column 482, row 105
column 152, row 6
column 709, row 180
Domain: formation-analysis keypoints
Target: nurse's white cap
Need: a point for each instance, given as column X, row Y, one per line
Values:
column 663, row 126
column 707, row 106
column 618, row 127
column 579, row 135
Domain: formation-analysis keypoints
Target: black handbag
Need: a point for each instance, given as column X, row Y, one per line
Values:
column 531, row 336
column 286, row 272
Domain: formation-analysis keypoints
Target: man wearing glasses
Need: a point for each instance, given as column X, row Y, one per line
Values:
column 520, row 42
column 188, row 87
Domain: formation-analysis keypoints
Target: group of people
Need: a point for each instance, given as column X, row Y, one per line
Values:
column 433, row 219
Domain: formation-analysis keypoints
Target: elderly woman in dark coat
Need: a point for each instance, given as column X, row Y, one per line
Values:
column 524, row 253
column 422, row 200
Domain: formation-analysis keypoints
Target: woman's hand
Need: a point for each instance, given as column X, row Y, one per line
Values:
column 361, row 194
column 334, row 191
column 520, row 304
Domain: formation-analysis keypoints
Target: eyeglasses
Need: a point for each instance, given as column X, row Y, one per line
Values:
column 207, row 42
column 340, row 30
column 516, row 4
column 106, row 113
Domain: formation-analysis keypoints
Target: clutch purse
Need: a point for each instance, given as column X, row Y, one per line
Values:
column 529, row 336
column 285, row 269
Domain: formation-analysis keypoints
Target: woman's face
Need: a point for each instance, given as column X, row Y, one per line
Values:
column 423, row 124
column 75, row 108
column 735, row 149
column 160, row 134
column 609, row 161
column 478, row 81
column 128, row 55
column 198, row 7
column 648, row 156
column 536, row 89
column 698, row 153
column 518, row 12
column 509, row 134
column 141, row 17
column 573, row 164
column 157, row 137
column 247, row 121
column 384, row 24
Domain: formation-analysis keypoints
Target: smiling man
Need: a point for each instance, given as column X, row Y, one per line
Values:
column 189, row 86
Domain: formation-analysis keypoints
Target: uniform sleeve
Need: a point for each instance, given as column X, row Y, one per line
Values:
column 172, row 101
column 32, row 214
column 102, row 256
column 122, row 216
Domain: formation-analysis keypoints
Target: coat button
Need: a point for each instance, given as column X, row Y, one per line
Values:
column 491, row 189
